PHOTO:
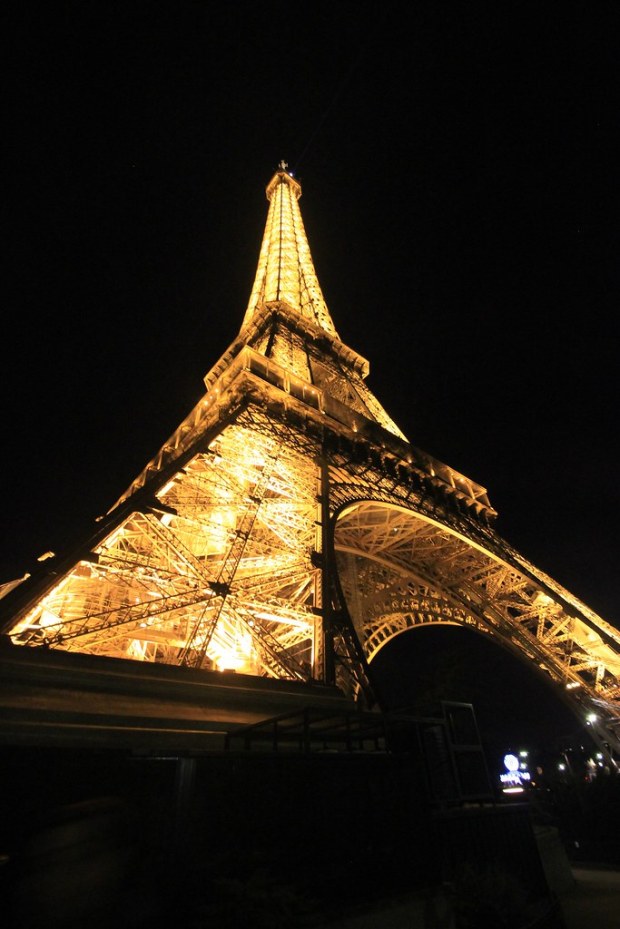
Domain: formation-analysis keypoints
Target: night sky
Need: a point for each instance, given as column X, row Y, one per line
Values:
column 460, row 196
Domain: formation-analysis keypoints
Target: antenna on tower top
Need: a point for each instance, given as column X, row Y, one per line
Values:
column 283, row 165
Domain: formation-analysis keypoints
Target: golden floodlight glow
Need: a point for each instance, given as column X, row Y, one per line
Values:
column 288, row 529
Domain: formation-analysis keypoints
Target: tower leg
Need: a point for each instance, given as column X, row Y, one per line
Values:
column 324, row 594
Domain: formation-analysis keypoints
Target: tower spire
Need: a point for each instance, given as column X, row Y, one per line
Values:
column 285, row 274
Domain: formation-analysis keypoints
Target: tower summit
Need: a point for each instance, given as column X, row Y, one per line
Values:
column 288, row 530
column 285, row 273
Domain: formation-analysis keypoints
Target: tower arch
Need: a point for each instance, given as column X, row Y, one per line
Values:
column 399, row 568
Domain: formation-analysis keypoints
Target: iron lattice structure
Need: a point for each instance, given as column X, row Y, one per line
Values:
column 289, row 529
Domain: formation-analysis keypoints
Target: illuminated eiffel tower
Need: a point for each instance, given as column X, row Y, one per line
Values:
column 288, row 529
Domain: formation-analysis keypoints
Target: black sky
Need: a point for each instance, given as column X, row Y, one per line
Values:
column 460, row 196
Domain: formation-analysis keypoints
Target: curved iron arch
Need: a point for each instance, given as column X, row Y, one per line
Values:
column 488, row 587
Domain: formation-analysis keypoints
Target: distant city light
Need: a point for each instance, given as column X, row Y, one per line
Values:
column 516, row 773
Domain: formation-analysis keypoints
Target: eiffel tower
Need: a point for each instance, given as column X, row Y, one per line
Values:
column 288, row 529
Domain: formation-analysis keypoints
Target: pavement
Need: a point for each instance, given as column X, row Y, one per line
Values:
column 594, row 900
column 589, row 899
